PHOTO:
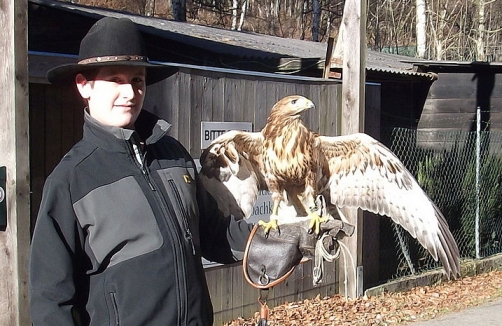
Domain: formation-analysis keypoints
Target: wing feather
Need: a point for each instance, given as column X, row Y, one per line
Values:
column 365, row 174
column 231, row 171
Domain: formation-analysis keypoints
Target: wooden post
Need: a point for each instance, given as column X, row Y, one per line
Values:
column 352, row 109
column 14, row 149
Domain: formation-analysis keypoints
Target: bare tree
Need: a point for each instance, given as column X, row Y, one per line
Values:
column 480, row 42
column 316, row 21
column 439, row 29
column 234, row 9
column 243, row 14
column 150, row 8
column 179, row 10
column 421, row 28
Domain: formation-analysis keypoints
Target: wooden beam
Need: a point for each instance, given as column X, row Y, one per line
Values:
column 14, row 117
column 352, row 121
column 329, row 55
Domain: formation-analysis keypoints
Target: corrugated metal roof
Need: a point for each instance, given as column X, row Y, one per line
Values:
column 246, row 45
column 474, row 65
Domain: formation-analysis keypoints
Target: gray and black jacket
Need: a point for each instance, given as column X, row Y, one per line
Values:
column 120, row 233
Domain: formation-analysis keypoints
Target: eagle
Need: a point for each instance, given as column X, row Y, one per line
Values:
column 297, row 165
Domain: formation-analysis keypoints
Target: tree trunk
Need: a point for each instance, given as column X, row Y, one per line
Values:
column 480, row 42
column 235, row 6
column 421, row 28
column 316, row 21
column 150, row 8
column 243, row 14
column 179, row 10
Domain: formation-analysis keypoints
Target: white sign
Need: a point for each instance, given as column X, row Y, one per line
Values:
column 209, row 130
column 262, row 208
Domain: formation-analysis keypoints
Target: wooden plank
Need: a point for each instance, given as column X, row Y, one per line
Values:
column 450, row 105
column 371, row 227
column 171, row 103
column 249, row 100
column 67, row 121
column 228, row 103
column 37, row 146
column 249, row 298
column 52, row 123
column 237, row 298
column 353, row 95
column 466, row 85
column 183, row 110
column 495, row 121
column 459, row 105
column 213, row 277
column 14, row 149
column 262, row 108
column 79, row 116
column 453, row 85
column 207, row 102
column 226, row 293
column 197, row 104
column 461, row 121
column 218, row 99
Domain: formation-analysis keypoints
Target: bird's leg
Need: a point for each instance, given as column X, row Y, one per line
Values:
column 272, row 223
column 315, row 218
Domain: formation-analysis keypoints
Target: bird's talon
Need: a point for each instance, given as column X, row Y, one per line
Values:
column 267, row 226
column 315, row 224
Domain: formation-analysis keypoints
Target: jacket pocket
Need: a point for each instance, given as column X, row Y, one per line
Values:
column 181, row 192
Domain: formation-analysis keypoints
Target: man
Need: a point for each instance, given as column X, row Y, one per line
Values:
column 124, row 221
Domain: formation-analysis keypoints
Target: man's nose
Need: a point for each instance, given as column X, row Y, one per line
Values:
column 127, row 90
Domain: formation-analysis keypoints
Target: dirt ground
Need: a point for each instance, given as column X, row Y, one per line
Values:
column 402, row 308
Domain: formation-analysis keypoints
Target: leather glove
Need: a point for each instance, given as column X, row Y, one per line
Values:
column 270, row 260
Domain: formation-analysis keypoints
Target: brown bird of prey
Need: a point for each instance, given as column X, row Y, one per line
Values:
column 296, row 165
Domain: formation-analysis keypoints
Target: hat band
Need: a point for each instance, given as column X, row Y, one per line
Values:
column 113, row 59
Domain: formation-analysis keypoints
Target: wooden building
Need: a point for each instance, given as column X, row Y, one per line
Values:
column 461, row 88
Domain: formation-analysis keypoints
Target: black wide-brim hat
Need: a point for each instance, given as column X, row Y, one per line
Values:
column 111, row 42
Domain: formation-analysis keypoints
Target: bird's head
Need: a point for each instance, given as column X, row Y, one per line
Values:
column 291, row 106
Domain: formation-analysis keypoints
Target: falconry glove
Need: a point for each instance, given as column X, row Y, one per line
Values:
column 270, row 260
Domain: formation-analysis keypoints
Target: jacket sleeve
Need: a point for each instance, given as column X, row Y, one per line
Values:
column 219, row 234
column 52, row 259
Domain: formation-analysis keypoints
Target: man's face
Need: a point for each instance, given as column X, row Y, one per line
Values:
column 115, row 96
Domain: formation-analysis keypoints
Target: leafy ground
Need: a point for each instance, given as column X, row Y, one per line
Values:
column 401, row 308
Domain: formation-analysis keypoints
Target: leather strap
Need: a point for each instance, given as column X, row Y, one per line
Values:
column 244, row 265
column 113, row 58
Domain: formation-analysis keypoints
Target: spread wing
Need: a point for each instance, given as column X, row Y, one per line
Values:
column 231, row 171
column 367, row 175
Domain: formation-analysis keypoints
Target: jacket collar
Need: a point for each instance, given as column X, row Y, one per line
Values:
column 149, row 128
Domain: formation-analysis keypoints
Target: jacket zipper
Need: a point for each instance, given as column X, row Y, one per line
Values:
column 140, row 159
column 115, row 308
column 179, row 252
column 168, row 210
column 184, row 217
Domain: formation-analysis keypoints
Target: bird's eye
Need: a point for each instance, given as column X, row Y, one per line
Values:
column 294, row 101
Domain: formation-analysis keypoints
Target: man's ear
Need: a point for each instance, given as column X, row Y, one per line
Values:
column 83, row 85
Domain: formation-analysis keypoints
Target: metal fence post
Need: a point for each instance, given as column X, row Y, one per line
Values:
column 478, row 171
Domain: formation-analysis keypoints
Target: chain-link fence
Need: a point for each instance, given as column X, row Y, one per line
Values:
column 462, row 173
